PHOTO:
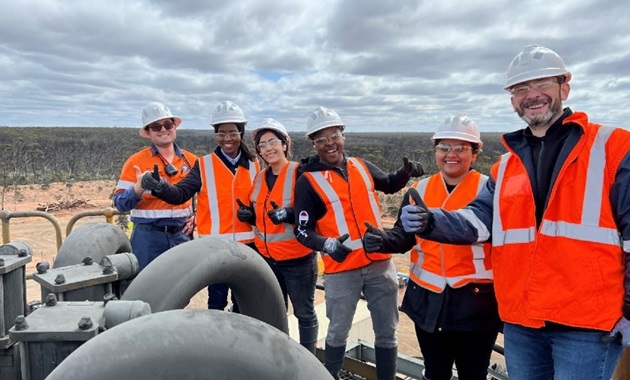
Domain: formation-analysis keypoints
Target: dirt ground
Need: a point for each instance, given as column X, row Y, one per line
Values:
column 40, row 235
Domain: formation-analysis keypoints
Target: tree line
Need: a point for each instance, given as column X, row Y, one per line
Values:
column 41, row 155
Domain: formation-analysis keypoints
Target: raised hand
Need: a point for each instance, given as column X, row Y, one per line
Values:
column 413, row 168
column 280, row 215
column 372, row 239
column 414, row 217
column 245, row 213
column 152, row 181
column 335, row 248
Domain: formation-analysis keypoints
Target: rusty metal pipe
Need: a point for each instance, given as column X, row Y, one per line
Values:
column 174, row 277
column 191, row 344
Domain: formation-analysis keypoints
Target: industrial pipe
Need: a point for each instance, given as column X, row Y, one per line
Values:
column 191, row 344
column 174, row 277
column 95, row 240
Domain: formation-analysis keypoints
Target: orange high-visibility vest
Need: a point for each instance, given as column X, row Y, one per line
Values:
column 570, row 270
column 150, row 206
column 348, row 205
column 216, row 204
column 275, row 241
column 434, row 265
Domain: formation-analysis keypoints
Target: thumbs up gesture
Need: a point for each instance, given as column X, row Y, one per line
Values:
column 151, row 180
column 415, row 217
column 245, row 213
column 280, row 215
column 335, row 248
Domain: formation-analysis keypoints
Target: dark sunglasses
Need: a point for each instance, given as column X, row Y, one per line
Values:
column 156, row 127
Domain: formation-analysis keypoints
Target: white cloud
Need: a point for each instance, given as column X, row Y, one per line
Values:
column 384, row 65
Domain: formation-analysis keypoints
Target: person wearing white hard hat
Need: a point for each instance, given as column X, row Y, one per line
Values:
column 334, row 197
column 269, row 208
column 450, row 295
column 556, row 210
column 219, row 178
column 158, row 226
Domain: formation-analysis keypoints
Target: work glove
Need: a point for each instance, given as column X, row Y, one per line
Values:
column 372, row 239
column 152, row 181
column 244, row 213
column 413, row 168
column 622, row 328
column 280, row 215
column 335, row 248
column 415, row 217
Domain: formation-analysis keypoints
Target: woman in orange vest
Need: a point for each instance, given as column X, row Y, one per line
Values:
column 219, row 179
column 270, row 211
column 450, row 297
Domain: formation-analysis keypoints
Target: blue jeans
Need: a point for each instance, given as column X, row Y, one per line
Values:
column 297, row 279
column 379, row 285
column 147, row 244
column 559, row 354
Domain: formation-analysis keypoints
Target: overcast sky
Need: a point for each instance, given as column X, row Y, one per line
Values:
column 383, row 65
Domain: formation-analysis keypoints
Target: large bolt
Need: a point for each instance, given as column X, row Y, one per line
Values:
column 108, row 269
column 85, row 323
column 109, row 297
column 51, row 299
column 42, row 267
column 87, row 261
column 1, row 262
column 22, row 253
column 60, row 279
column 20, row 323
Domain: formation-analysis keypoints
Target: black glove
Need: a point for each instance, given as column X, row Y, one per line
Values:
column 152, row 181
column 413, row 168
column 245, row 213
column 415, row 218
column 372, row 239
column 335, row 248
column 280, row 215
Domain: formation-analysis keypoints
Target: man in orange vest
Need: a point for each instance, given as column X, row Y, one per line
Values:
column 333, row 198
column 158, row 226
column 557, row 210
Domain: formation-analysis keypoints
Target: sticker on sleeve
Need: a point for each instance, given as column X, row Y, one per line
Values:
column 303, row 218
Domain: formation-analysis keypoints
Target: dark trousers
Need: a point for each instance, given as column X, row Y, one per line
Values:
column 469, row 350
column 218, row 298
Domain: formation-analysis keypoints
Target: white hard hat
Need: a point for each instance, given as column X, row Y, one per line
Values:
column 535, row 62
column 323, row 118
column 153, row 112
column 272, row 124
column 227, row 112
column 459, row 127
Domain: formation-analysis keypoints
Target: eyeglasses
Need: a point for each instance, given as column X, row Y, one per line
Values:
column 156, row 127
column 458, row 149
column 522, row 90
column 272, row 142
column 223, row 135
column 321, row 141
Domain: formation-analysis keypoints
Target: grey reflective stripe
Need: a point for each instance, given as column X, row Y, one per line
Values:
column 482, row 182
column 212, row 196
column 422, row 187
column 498, row 235
column 483, row 233
column 337, row 209
column 239, row 236
column 257, row 184
column 252, row 170
column 286, row 235
column 595, row 178
column 368, row 184
column 287, row 191
column 626, row 245
column 426, row 276
column 124, row 184
column 593, row 234
column 166, row 213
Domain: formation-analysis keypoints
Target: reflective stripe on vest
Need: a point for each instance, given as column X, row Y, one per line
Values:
column 215, row 221
column 589, row 229
column 435, row 281
column 287, row 193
